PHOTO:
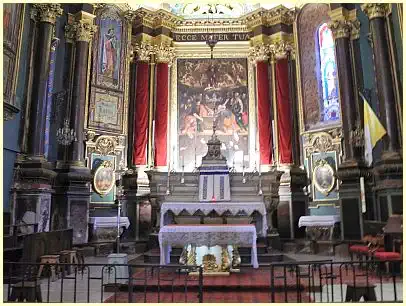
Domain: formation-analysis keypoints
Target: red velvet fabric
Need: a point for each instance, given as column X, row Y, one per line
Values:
column 387, row 256
column 161, row 114
column 359, row 248
column 264, row 114
column 284, row 112
column 141, row 114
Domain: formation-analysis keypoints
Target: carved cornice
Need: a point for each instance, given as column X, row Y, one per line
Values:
column 375, row 10
column 155, row 19
column 322, row 141
column 129, row 15
column 259, row 53
column 276, row 15
column 48, row 12
column 164, row 53
column 143, row 51
column 340, row 28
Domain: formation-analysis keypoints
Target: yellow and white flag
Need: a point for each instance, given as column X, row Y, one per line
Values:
column 373, row 130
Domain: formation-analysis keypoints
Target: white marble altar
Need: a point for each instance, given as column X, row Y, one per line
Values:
column 207, row 235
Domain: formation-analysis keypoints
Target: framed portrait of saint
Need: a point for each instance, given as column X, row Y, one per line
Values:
column 104, row 178
column 324, row 177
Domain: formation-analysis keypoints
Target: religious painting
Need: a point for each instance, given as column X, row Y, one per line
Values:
column 110, row 49
column 104, row 179
column 323, row 174
column 105, row 111
column 12, row 28
column 212, row 95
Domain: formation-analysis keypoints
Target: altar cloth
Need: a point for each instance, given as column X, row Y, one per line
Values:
column 219, row 208
column 207, row 235
column 319, row 220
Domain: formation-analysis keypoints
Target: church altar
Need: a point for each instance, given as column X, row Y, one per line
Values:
column 105, row 228
column 207, row 235
column 219, row 207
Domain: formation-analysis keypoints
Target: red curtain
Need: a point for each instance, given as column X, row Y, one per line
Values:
column 284, row 112
column 161, row 114
column 141, row 114
column 264, row 114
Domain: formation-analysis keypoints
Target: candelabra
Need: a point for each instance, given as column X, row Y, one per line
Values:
column 65, row 135
column 119, row 194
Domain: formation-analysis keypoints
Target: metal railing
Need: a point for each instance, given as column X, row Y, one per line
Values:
column 306, row 281
column 328, row 281
column 97, row 283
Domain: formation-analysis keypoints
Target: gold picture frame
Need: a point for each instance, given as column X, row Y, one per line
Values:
column 324, row 177
column 104, row 178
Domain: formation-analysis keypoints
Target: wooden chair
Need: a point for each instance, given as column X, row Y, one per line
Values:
column 69, row 257
column 29, row 289
column 53, row 261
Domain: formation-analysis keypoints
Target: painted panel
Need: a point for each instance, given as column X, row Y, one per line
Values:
column 104, row 179
column 212, row 92
column 324, row 181
column 105, row 111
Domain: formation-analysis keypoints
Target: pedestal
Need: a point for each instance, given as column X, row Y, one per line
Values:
column 71, row 204
column 130, row 202
column 117, row 274
column 293, row 203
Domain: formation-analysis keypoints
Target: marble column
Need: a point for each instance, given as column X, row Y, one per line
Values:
column 47, row 14
column 163, row 57
column 341, row 33
column 72, row 197
column 293, row 202
column 376, row 13
column 34, row 187
column 388, row 169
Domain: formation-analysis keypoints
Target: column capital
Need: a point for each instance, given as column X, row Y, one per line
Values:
column 259, row 53
column 281, row 49
column 80, row 30
column 129, row 16
column 164, row 53
column 142, row 51
column 340, row 28
column 355, row 29
column 375, row 10
column 47, row 12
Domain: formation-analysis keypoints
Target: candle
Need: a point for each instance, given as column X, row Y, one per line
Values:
column 362, row 188
column 273, row 140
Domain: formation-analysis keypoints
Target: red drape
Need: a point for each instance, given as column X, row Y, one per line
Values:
column 264, row 121
column 284, row 112
column 141, row 114
column 161, row 114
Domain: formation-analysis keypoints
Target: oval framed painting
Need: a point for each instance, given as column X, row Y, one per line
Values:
column 324, row 177
column 104, row 178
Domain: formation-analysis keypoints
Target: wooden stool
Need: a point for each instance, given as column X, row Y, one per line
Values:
column 30, row 291
column 356, row 291
column 49, row 259
column 69, row 257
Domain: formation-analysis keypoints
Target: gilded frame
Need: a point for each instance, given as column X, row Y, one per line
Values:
column 98, row 172
column 222, row 50
column 12, row 51
column 322, row 165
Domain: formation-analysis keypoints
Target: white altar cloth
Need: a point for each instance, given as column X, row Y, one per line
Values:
column 319, row 220
column 108, row 222
column 219, row 207
column 209, row 235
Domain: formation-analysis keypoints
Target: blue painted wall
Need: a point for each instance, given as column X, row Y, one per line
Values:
column 11, row 128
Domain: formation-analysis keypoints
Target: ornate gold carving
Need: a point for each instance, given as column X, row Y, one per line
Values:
column 322, row 141
column 34, row 14
column 143, row 51
column 225, row 260
column 259, row 53
column 355, row 29
column 375, row 10
column 209, row 263
column 191, row 258
column 281, row 49
column 105, row 145
column 340, row 28
column 129, row 15
column 82, row 30
column 164, row 53
column 48, row 12
column 90, row 135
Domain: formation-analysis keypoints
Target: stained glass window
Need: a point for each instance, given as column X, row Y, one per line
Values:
column 328, row 75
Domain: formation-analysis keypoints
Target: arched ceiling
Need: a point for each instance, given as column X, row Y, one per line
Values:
column 203, row 10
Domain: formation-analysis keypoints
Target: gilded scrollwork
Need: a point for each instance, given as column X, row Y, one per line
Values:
column 105, row 145
column 48, row 12
column 164, row 53
column 259, row 53
column 322, row 141
column 340, row 28
column 143, row 51
column 375, row 10
column 80, row 30
column 282, row 48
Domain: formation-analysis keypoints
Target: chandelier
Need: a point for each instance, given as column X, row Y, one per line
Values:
column 64, row 135
column 211, row 41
